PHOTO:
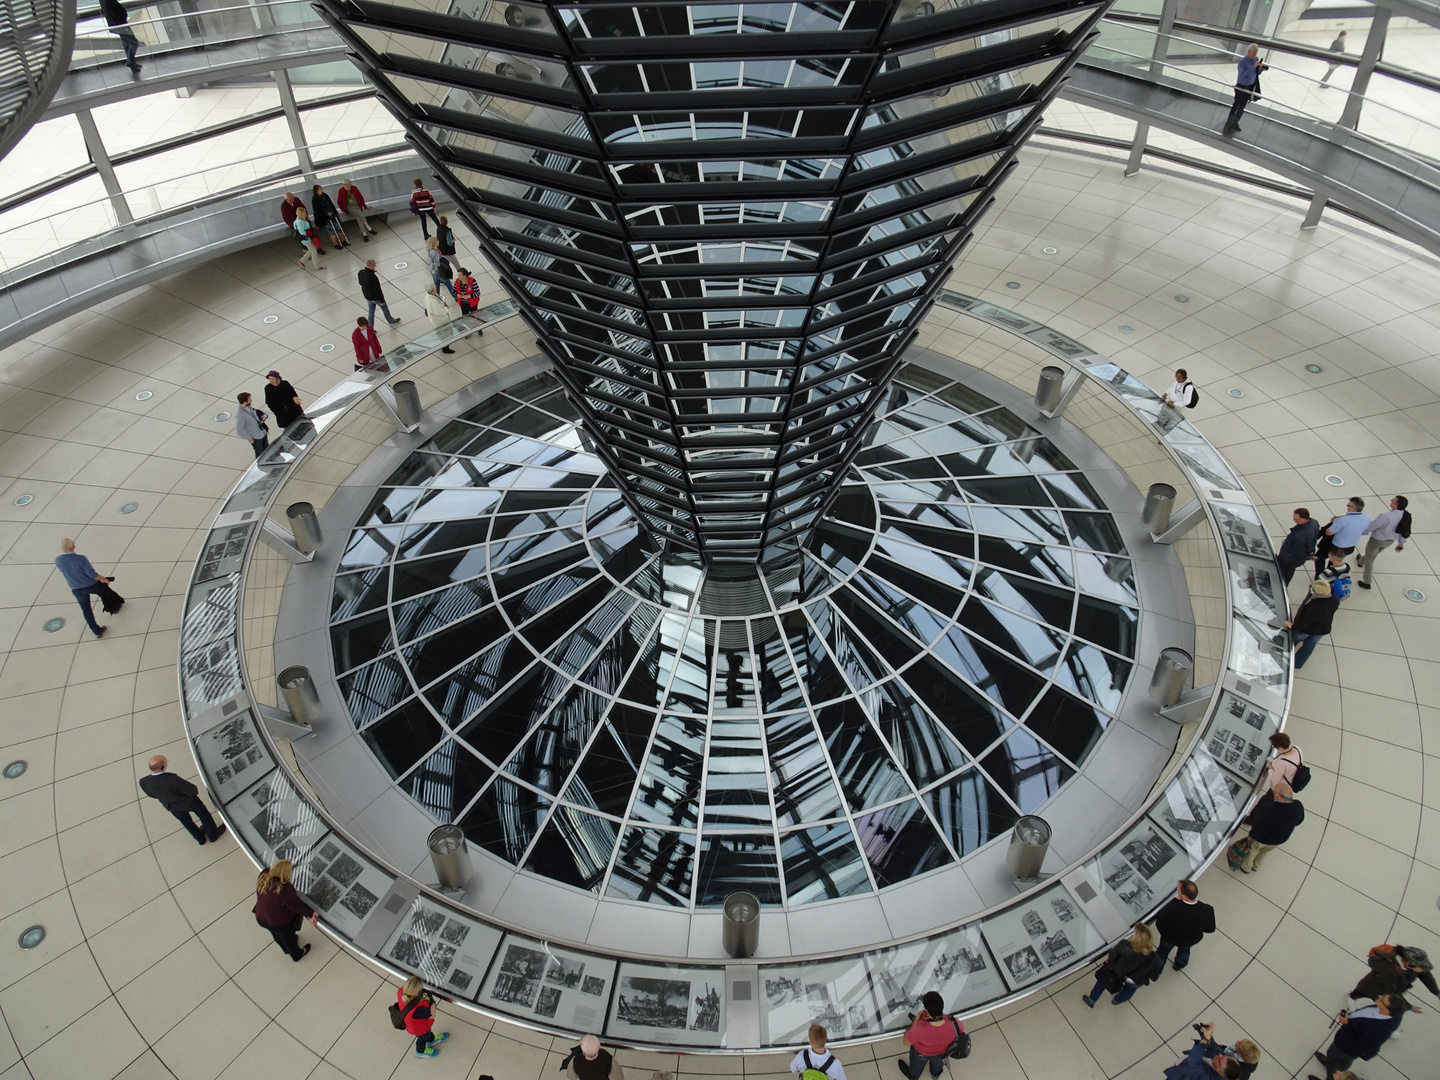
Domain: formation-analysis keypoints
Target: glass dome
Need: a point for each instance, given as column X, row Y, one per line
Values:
column 945, row 656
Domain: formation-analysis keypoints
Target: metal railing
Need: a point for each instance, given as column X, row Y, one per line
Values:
column 36, row 38
column 165, row 28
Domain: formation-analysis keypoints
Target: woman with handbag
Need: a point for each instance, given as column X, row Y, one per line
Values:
column 309, row 239
column 415, row 1008
column 279, row 909
column 446, row 236
column 1126, row 969
column 440, row 269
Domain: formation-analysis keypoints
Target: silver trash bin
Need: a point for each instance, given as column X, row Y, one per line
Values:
column 301, row 698
column 740, row 935
column 1029, row 841
column 1159, row 501
column 1173, row 672
column 450, row 856
column 407, row 402
column 305, row 527
column 1047, row 393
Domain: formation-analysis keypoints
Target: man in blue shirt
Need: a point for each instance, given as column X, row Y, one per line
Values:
column 1343, row 532
column 83, row 580
column 1247, row 81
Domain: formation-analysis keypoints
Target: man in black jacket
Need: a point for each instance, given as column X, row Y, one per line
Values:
column 118, row 19
column 1274, row 822
column 370, row 289
column 181, row 798
column 1299, row 543
column 1182, row 923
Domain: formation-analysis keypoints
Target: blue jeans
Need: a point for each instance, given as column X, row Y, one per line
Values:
column 260, row 445
column 128, row 41
column 918, row 1061
column 441, row 281
column 1126, row 992
column 1182, row 954
column 83, row 596
column 1304, row 646
column 383, row 306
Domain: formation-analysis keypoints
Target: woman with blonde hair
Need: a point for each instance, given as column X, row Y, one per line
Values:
column 1126, row 969
column 279, row 909
column 417, row 1009
column 440, row 269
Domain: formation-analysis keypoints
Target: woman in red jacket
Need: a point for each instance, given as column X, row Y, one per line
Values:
column 366, row 342
column 467, row 291
column 279, row 909
column 418, row 1009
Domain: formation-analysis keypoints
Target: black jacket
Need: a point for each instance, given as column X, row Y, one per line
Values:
column 322, row 210
column 370, row 285
column 1275, row 821
column 281, row 399
column 1184, row 924
column 170, row 789
column 1363, row 1036
column 114, row 12
column 1316, row 614
column 1389, row 977
column 1125, row 963
column 1298, row 544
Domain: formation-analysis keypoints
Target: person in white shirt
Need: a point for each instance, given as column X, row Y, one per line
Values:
column 1390, row 528
column 816, row 1057
column 1180, row 396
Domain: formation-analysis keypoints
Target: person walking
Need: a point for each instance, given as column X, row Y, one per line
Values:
column 467, row 292
column 1126, row 969
column 814, row 1062
column 1343, row 532
column 118, row 19
column 929, row 1037
column 1394, row 969
column 373, row 294
column 1206, row 1060
column 353, row 202
column 250, row 424
column 1274, row 824
column 309, row 239
column 1299, row 543
column 417, row 1008
column 591, row 1061
column 1180, row 396
column 326, row 217
column 1362, row 1033
column 440, row 269
column 1313, row 621
column 446, row 236
column 1181, row 924
column 279, row 909
column 422, row 205
column 1338, row 47
column 1247, row 85
column 366, row 342
column 1387, row 529
column 284, row 402
column 440, row 312
column 84, row 581
column 182, row 799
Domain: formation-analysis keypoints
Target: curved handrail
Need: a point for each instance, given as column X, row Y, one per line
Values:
column 35, row 54
column 222, row 713
column 173, row 33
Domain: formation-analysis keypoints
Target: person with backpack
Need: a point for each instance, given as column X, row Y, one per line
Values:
column 1394, row 969
column 1274, row 824
column 441, row 272
column 1313, row 620
column 815, row 1062
column 422, row 205
column 1182, row 395
column 1387, row 529
column 931, row 1038
column 1336, row 572
column 414, row 1010
column 1343, row 532
column 1128, row 967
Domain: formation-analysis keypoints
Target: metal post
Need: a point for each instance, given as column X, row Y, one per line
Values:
column 1137, row 147
column 740, row 924
column 96, row 147
column 1369, row 57
column 1173, row 670
column 297, row 132
column 1163, row 27
column 1318, row 202
column 1029, row 841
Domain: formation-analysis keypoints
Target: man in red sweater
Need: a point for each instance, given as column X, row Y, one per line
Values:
column 288, row 206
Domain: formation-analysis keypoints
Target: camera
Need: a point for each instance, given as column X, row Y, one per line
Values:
column 1200, row 1029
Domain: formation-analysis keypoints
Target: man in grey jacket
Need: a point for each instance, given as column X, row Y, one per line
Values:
column 250, row 425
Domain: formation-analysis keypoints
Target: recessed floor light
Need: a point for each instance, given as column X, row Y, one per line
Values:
column 54, row 626
column 1181, row 298
column 1435, row 466
column 1050, row 251
column 401, row 266
column 31, row 937
column 221, row 417
column 1012, row 284
column 24, row 500
column 130, row 508
column 272, row 318
column 1127, row 329
column 1314, row 369
column 144, row 395
column 1415, row 595
column 1335, row 481
column 16, row 769
column 1236, row 392
column 329, row 346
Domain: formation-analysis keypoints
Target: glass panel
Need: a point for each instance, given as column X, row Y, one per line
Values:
column 737, row 862
column 900, row 843
column 971, row 812
column 822, row 864
column 654, row 866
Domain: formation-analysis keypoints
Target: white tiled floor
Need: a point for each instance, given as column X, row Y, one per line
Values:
column 154, row 967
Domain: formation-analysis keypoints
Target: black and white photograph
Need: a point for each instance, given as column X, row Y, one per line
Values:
column 548, row 1002
column 1024, row 955
column 233, row 756
column 460, row 979
column 1025, row 965
column 519, row 978
column 1239, row 736
column 426, row 921
column 1056, row 949
column 564, row 972
column 323, row 893
column 436, row 949
column 437, row 964
column 780, row 989
column 345, row 870
column 538, row 979
column 409, row 951
column 1140, row 869
column 663, row 1003
column 338, row 884
column 1032, row 922
column 707, row 1008
column 1063, row 909
column 455, row 932
column 593, row 985
column 1200, row 804
column 835, row 993
column 966, row 961
column 359, row 900
column 659, row 1003
column 956, row 965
